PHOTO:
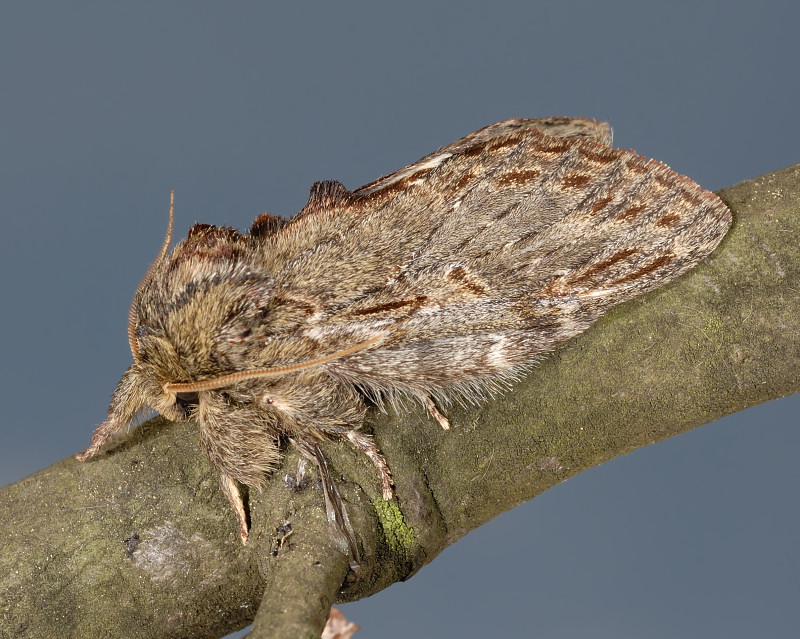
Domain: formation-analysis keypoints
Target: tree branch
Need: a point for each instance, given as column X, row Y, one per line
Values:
column 141, row 543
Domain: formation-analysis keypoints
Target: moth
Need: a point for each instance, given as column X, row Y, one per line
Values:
column 446, row 279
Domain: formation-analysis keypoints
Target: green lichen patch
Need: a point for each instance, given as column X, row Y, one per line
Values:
column 398, row 535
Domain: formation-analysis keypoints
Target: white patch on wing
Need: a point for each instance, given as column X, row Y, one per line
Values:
column 433, row 162
column 568, row 305
column 496, row 356
column 427, row 165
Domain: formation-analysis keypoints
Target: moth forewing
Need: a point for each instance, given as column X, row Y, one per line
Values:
column 441, row 279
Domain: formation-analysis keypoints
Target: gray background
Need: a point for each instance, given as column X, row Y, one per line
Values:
column 240, row 106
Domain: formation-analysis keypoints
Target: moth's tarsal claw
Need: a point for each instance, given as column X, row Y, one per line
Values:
column 231, row 491
column 99, row 437
column 443, row 421
column 87, row 454
column 367, row 445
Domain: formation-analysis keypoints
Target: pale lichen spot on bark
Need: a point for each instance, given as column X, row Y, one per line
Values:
column 167, row 554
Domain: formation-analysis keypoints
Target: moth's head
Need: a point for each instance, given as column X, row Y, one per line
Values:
column 189, row 317
column 156, row 364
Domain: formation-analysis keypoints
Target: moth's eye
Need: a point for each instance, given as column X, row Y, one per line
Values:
column 186, row 402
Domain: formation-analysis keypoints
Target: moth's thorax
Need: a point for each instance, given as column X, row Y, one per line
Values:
column 205, row 310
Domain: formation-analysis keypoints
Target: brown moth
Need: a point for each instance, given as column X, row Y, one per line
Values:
column 447, row 278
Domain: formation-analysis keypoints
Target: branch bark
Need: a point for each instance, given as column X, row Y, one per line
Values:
column 141, row 543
